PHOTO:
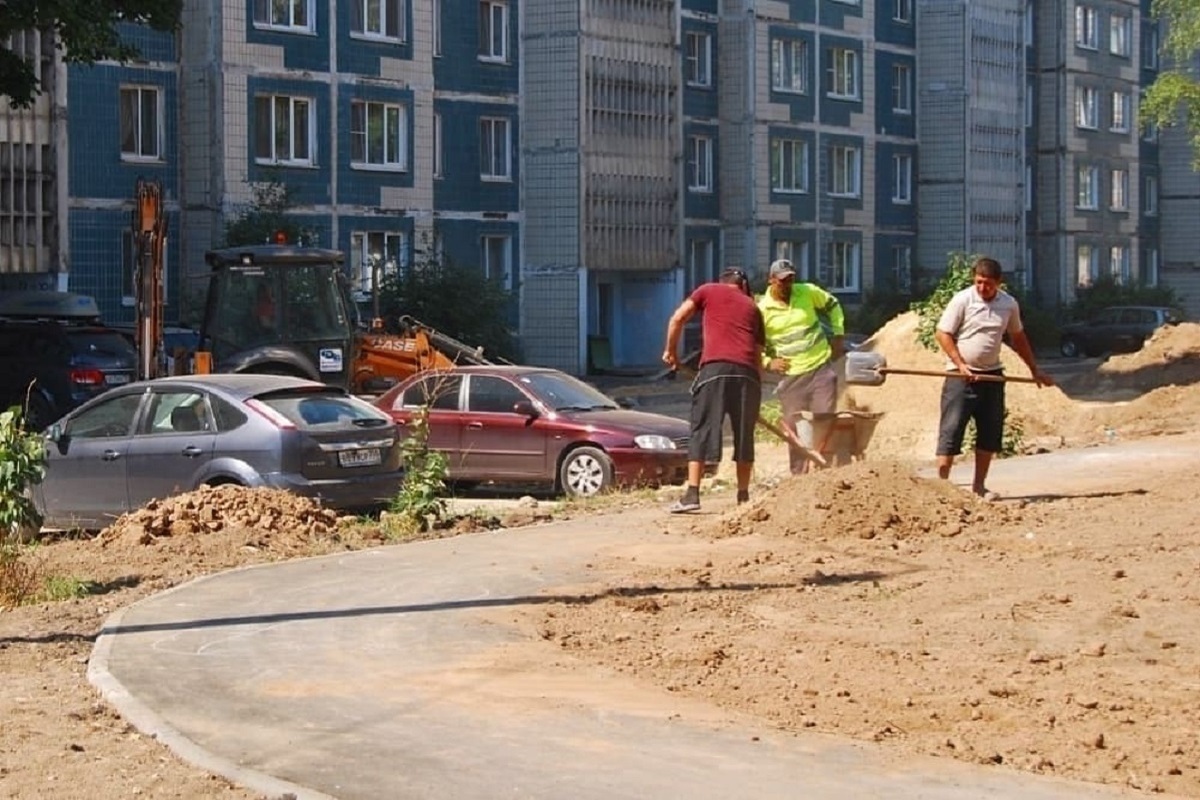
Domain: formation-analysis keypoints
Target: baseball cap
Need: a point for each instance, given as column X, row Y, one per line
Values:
column 782, row 268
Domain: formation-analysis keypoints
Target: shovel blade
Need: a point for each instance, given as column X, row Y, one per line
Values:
column 865, row 368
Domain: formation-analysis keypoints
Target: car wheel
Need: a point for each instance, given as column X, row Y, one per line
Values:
column 1071, row 349
column 585, row 471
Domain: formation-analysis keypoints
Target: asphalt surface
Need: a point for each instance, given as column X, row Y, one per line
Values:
column 400, row 672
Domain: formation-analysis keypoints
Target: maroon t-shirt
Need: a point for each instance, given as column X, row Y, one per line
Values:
column 732, row 327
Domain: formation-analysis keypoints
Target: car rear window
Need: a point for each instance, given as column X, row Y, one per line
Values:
column 321, row 411
column 107, row 343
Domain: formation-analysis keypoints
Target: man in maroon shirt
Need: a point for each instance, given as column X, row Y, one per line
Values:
column 729, row 382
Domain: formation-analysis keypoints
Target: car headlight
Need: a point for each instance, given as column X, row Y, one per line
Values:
column 654, row 441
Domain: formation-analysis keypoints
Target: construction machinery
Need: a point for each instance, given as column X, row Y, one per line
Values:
column 149, row 238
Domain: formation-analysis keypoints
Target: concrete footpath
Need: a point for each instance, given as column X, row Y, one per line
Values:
column 400, row 672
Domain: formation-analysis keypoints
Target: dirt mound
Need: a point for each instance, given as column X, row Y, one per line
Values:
column 270, row 519
column 910, row 404
column 1171, row 356
column 865, row 500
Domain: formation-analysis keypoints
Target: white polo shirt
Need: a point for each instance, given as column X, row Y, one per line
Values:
column 978, row 326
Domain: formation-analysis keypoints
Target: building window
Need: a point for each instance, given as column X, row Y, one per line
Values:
column 902, row 10
column 285, row 14
column 701, row 262
column 1119, row 196
column 842, row 274
column 437, row 145
column 1088, row 195
column 796, row 252
column 1150, row 267
column 697, row 61
column 902, row 267
column 1150, row 131
column 495, row 258
column 377, row 19
column 902, row 178
column 378, row 135
column 1151, row 196
column 493, row 31
column 1086, row 35
column 845, row 177
column 1121, row 113
column 495, row 144
column 789, row 165
column 1029, row 187
column 141, row 123
column 375, row 249
column 1120, row 35
column 699, row 164
column 789, row 65
column 1087, row 264
column 1150, row 44
column 437, row 27
column 843, row 73
column 1030, row 99
column 283, row 130
column 1087, row 111
column 902, row 88
column 1118, row 263
column 1030, row 11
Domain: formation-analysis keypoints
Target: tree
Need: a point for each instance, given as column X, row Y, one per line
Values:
column 1176, row 91
column 85, row 30
column 267, row 215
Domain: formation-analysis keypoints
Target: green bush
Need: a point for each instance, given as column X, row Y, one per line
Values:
column 420, row 502
column 1107, row 291
column 22, row 464
column 959, row 275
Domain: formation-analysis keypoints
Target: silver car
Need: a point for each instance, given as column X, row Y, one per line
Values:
column 153, row 439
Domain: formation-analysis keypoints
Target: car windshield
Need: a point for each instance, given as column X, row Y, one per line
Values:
column 561, row 392
column 257, row 306
column 325, row 410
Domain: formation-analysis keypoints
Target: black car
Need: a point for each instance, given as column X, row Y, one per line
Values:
column 1117, row 329
column 51, row 364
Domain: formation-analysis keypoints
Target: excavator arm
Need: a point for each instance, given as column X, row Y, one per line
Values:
column 149, row 237
column 385, row 359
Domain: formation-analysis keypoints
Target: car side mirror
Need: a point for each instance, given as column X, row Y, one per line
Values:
column 525, row 409
column 54, row 433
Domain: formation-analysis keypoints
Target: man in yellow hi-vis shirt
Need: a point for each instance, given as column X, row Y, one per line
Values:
column 799, row 347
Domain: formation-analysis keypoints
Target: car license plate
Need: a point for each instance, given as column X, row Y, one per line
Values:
column 113, row 379
column 360, row 458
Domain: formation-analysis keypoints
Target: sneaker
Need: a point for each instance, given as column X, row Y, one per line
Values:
column 683, row 506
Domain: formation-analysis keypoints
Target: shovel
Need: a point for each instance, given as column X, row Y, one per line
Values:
column 864, row 368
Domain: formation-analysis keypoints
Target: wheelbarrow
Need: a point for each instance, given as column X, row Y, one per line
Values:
column 866, row 368
column 838, row 438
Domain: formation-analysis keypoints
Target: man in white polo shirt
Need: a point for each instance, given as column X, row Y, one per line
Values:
column 970, row 332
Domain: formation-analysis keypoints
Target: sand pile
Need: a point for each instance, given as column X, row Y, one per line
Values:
column 908, row 429
column 1171, row 356
column 866, row 500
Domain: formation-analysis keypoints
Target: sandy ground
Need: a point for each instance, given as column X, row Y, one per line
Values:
column 1051, row 633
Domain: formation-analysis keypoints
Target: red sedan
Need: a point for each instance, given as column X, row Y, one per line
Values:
column 520, row 424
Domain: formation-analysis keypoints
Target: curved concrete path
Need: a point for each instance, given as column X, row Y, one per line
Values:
column 401, row 672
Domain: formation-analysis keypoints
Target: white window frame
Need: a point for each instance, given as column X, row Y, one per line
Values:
column 902, row 89
column 1030, row 100
column 1120, row 35
column 789, row 66
column 495, row 149
column 1150, row 49
column 1150, row 268
column 845, row 171
column 1118, row 195
column 491, row 245
column 1122, row 112
column 438, row 157
column 391, row 247
column 843, row 73
column 702, row 259
column 795, row 251
column 129, row 276
column 697, row 59
column 847, row 2
column 1087, row 264
column 1150, row 132
column 395, row 153
column 902, row 11
column 294, row 105
column 389, row 24
column 700, row 163
column 902, row 178
column 1030, row 11
column 1151, row 195
column 1087, row 108
column 493, row 15
column 1087, row 35
column 263, row 15
column 795, row 153
column 142, row 151
column 436, row 34
column 845, row 264
column 1087, row 194
column 1118, row 262
column 902, row 266
column 1028, row 186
